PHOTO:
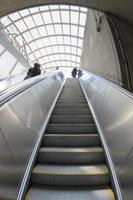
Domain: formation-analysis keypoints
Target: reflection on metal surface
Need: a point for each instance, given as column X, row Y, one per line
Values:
column 121, row 121
column 21, row 121
column 113, row 108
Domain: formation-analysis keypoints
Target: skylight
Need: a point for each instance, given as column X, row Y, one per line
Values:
column 51, row 35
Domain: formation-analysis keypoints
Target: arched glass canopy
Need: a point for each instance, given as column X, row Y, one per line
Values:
column 51, row 35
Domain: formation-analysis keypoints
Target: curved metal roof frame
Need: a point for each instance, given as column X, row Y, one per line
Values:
column 57, row 35
column 56, row 31
column 41, row 48
column 120, row 8
column 52, row 54
column 52, row 64
column 49, row 24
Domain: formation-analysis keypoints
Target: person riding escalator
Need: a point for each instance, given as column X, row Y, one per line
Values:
column 33, row 71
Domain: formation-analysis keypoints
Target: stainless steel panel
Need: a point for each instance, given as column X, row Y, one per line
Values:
column 113, row 107
column 21, row 120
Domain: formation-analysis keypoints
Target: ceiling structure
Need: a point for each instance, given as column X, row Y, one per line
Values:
column 51, row 35
column 119, row 8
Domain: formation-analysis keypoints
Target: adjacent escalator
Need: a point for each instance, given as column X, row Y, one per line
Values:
column 71, row 162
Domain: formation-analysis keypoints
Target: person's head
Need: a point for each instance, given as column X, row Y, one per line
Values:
column 57, row 68
column 37, row 65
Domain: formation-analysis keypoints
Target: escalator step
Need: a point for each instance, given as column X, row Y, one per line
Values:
column 60, row 175
column 71, row 112
column 70, row 119
column 73, row 140
column 67, row 193
column 62, row 155
column 69, row 96
column 71, row 106
column 71, row 128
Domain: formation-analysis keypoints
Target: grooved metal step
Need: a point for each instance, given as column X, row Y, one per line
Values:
column 69, row 119
column 62, row 155
column 70, row 98
column 60, row 175
column 70, row 106
column 80, row 93
column 68, row 128
column 72, row 101
column 71, row 140
column 68, row 193
column 71, row 112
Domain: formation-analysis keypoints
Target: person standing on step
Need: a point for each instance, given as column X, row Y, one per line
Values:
column 74, row 72
column 80, row 73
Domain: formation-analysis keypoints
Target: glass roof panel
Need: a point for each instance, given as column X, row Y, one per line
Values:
column 46, row 42
column 59, row 40
column 67, row 40
column 38, row 19
column 52, row 7
column 33, row 46
column 37, row 54
column 74, row 7
column 52, row 34
column 58, row 29
column 32, row 57
column 66, row 29
column 21, row 25
column 64, row 7
column 49, row 50
column 34, row 32
column 15, row 16
column 50, row 29
column 73, row 49
column 53, row 40
column 80, row 42
column 34, row 10
column 24, row 13
column 55, row 49
column 81, row 32
column 82, row 20
column 42, row 31
column 67, row 49
column 74, row 41
column 29, row 22
column 44, row 8
column 43, row 51
column 5, row 21
column 39, row 43
column 74, row 30
column 27, row 36
column 65, row 16
column 79, row 52
column 28, row 50
column 47, row 17
column 74, row 17
column 56, row 16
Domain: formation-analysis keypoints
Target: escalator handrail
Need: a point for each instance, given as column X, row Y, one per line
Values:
column 11, row 92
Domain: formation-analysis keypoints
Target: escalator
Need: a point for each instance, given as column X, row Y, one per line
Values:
column 71, row 162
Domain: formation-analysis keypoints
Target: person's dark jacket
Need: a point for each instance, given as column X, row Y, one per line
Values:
column 33, row 71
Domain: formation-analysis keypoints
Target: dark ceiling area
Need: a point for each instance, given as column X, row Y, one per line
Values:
column 122, row 9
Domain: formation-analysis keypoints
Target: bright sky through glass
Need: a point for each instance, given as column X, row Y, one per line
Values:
column 52, row 35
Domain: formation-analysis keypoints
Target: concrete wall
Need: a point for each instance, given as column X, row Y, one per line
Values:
column 99, row 54
column 126, row 36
